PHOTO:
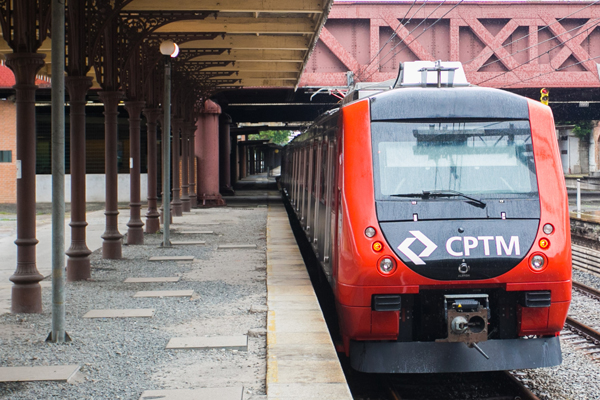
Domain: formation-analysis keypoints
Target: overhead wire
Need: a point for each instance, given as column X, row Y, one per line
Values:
column 402, row 40
column 493, row 51
column 538, row 56
column 424, row 30
column 395, row 33
column 539, row 43
column 549, row 72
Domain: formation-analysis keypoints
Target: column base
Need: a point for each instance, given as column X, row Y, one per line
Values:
column 78, row 269
column 177, row 209
column 135, row 235
column 208, row 200
column 186, row 205
column 152, row 224
column 26, row 299
column 193, row 200
column 111, row 249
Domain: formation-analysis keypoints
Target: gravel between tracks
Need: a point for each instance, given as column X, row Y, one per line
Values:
column 121, row 357
column 577, row 377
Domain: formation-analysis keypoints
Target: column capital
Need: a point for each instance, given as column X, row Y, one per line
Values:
column 25, row 66
column 111, row 98
column 152, row 114
column 134, row 107
column 77, row 86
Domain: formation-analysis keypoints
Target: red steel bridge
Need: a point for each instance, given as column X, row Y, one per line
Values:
column 503, row 44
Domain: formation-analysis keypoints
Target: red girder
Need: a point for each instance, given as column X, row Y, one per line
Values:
column 501, row 44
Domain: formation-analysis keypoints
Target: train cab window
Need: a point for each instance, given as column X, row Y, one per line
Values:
column 487, row 158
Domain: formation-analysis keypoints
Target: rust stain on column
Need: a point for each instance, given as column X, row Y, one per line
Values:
column 111, row 246
column 26, row 291
column 152, row 222
column 135, row 231
column 78, row 261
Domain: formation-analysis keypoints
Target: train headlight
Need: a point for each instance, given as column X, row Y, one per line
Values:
column 538, row 263
column 377, row 246
column 548, row 229
column 386, row 265
column 544, row 243
column 370, row 232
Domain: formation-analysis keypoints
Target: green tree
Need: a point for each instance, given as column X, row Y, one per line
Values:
column 277, row 137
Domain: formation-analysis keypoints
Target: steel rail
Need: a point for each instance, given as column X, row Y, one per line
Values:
column 586, row 290
column 584, row 330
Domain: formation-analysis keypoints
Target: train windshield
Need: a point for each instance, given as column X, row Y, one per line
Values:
column 484, row 159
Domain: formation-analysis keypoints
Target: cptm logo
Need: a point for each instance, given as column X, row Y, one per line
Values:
column 468, row 243
column 405, row 247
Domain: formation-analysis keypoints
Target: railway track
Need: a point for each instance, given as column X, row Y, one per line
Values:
column 582, row 336
column 586, row 259
column 501, row 385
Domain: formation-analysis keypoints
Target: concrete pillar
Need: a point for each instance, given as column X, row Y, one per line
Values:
column 78, row 261
column 185, row 168
column 26, row 291
column 111, row 246
column 224, row 155
column 192, row 164
column 207, row 150
column 152, row 222
column 176, row 203
column 135, row 231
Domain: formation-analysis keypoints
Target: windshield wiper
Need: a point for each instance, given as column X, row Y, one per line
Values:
column 443, row 193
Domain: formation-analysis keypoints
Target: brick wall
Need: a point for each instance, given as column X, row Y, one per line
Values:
column 8, row 141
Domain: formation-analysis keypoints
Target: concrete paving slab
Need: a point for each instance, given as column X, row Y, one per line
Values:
column 30, row 374
column 295, row 338
column 215, row 342
column 120, row 313
column 172, row 258
column 318, row 391
column 236, row 246
column 165, row 293
column 153, row 279
column 188, row 243
column 226, row 393
column 196, row 232
column 291, row 305
column 309, row 371
column 290, row 290
column 303, row 351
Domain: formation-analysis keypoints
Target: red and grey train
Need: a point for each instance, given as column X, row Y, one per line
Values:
column 438, row 212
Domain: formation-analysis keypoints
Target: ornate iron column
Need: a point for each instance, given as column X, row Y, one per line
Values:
column 135, row 233
column 78, row 261
column 224, row 155
column 185, row 168
column 176, row 189
column 26, row 291
column 152, row 222
column 192, row 164
column 111, row 246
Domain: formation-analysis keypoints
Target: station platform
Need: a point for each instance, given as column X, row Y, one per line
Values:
column 227, row 312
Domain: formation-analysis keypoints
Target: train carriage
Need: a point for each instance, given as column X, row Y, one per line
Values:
column 438, row 212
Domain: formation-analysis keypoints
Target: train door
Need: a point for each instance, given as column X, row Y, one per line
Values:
column 329, row 210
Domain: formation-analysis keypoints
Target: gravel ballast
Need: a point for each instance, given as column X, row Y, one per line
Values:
column 122, row 357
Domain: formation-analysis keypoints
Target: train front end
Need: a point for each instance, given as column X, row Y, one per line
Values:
column 454, row 241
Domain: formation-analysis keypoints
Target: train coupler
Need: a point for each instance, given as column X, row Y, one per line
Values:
column 467, row 319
